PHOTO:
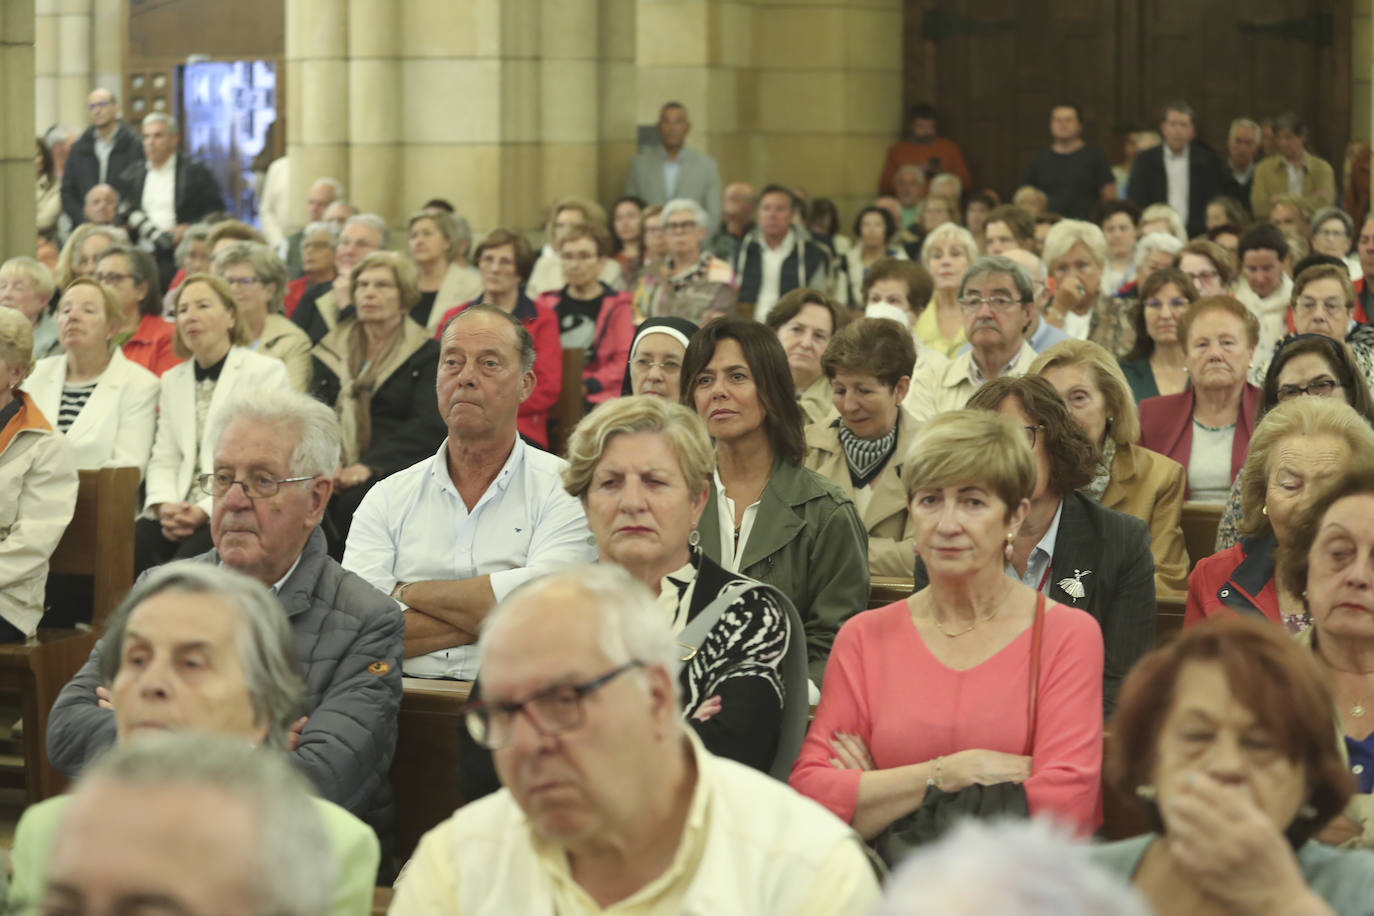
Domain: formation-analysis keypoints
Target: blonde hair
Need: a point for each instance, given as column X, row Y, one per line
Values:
column 1156, row 212
column 1067, row 233
column 32, row 270
column 972, row 447
column 1124, row 421
column 16, row 340
column 1302, row 417
column 943, row 234
column 238, row 334
column 403, row 271
column 66, row 267
column 114, row 311
column 681, row 427
column 267, row 268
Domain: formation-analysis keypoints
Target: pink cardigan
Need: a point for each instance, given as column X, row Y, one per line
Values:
column 885, row 686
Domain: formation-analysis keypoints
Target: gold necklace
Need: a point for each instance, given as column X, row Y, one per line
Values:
column 971, row 627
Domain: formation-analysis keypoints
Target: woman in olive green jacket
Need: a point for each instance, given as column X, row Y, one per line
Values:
column 768, row 517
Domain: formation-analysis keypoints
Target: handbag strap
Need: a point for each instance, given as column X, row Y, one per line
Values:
column 1037, row 636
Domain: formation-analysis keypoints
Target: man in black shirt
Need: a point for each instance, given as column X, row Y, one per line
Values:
column 1076, row 177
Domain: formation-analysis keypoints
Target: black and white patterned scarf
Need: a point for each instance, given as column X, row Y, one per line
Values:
column 866, row 457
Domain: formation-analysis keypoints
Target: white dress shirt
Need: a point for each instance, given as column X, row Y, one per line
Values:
column 1041, row 556
column 671, row 168
column 770, row 279
column 1176, row 180
column 160, row 194
column 103, row 149
column 1294, row 178
column 731, row 547
column 413, row 527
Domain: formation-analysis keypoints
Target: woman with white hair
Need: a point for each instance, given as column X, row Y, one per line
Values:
column 317, row 262
column 696, row 285
column 1154, row 252
column 1162, row 218
column 37, row 486
column 240, row 682
column 1076, row 253
column 258, row 278
column 26, row 285
column 947, row 252
column 439, row 243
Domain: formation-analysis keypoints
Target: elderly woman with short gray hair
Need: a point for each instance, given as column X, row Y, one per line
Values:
column 1076, row 253
column 438, row 244
column 258, row 278
column 199, row 647
column 697, row 285
column 317, row 262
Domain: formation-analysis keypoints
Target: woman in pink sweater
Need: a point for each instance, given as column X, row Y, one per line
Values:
column 935, row 690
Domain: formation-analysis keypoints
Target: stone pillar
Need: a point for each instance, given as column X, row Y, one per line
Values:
column 374, row 110
column 569, row 100
column 16, row 128
column 107, row 46
column 617, row 89
column 47, row 54
column 74, row 78
column 317, row 93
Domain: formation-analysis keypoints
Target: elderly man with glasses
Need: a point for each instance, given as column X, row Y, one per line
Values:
column 996, row 297
column 609, row 800
column 697, row 285
column 274, row 456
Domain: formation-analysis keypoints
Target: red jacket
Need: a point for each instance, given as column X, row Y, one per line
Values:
column 1239, row 580
column 151, row 345
column 542, row 323
column 604, row 371
column 1166, row 426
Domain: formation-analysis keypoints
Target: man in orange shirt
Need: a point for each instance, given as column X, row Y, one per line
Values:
column 923, row 148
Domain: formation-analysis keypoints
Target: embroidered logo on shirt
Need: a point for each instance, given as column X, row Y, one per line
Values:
column 379, row 668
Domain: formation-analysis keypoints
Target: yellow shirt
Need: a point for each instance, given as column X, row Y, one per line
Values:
column 927, row 330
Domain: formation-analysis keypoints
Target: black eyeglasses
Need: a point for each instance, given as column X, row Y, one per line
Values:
column 261, row 485
column 1318, row 387
column 552, row 711
column 1031, row 432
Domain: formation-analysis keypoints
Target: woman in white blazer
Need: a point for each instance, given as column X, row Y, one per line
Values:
column 208, row 330
column 104, row 404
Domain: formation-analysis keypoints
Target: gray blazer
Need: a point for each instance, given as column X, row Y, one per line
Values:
column 697, row 178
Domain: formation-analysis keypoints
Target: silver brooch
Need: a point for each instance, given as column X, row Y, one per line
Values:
column 1073, row 587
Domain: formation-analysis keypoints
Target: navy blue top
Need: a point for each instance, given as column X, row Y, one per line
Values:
column 1362, row 762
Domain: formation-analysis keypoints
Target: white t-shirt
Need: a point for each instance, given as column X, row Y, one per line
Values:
column 770, row 278
column 160, row 194
column 1209, row 463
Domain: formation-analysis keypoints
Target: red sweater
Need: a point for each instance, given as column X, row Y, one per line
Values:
column 604, row 371
column 883, row 684
column 542, row 323
column 151, row 345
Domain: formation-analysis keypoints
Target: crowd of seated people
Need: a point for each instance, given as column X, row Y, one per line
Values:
column 997, row 415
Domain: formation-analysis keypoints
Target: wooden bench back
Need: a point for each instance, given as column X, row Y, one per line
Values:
column 1199, row 522
column 885, row 590
column 99, row 540
column 568, row 411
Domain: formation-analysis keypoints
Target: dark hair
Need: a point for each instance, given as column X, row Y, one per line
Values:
column 1271, row 674
column 782, row 417
column 1236, row 214
column 877, row 346
column 1179, row 106
column 46, row 155
column 889, row 224
column 618, row 245
column 1337, row 356
column 499, row 238
column 1072, row 456
column 594, row 231
column 1144, row 343
column 1220, row 258
column 791, row 303
column 1017, row 219
column 1048, row 218
column 1226, row 229
column 1077, row 112
column 1317, row 259
column 923, row 110
column 438, row 203
column 920, row 285
column 1111, row 208
column 1262, row 237
column 780, row 189
column 143, row 269
column 1290, row 121
column 823, row 208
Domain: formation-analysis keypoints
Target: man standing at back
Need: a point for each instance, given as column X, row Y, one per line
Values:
column 100, row 155
column 1179, row 172
column 661, row 173
column 925, row 148
column 1075, row 176
column 1292, row 171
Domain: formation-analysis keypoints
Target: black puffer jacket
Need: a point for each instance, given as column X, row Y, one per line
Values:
column 349, row 639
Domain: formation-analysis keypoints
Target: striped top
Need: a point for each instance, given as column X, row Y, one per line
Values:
column 74, row 397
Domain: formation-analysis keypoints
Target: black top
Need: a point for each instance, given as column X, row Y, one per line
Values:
column 83, row 167
column 306, row 315
column 577, row 317
column 1072, row 181
column 1149, row 182
column 740, row 661
column 420, row 314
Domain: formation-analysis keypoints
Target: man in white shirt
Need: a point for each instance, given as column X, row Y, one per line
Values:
column 452, row 535
column 777, row 256
column 610, row 802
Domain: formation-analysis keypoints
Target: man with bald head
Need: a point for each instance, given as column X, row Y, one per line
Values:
column 102, row 203
column 450, row 536
column 610, row 802
column 101, row 154
column 737, row 218
column 322, row 193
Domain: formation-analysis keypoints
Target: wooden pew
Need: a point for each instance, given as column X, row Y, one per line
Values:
column 99, row 542
column 424, row 773
column 1168, row 618
column 885, row 590
column 568, row 411
column 1199, row 522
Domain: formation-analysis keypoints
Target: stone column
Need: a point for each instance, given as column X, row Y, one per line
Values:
column 374, row 111
column 47, row 53
column 618, row 84
column 74, row 77
column 16, row 128
column 317, row 91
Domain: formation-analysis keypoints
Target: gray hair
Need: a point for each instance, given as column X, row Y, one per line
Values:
column 56, row 134
column 948, row 178
column 267, row 267
column 296, row 871
column 686, row 205
column 372, row 221
column 522, row 334
column 196, row 232
column 1067, row 233
column 911, row 170
column 322, row 226
column 1027, row 868
column 316, row 426
column 173, row 127
column 630, row 624
column 1325, row 214
column 1152, row 242
column 997, row 264
column 332, row 183
column 1243, row 124
column 267, row 648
